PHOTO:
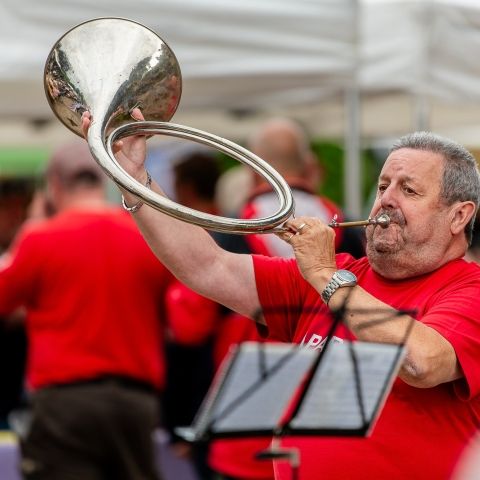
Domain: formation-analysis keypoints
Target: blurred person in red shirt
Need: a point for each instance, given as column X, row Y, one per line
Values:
column 201, row 331
column 95, row 343
column 190, row 318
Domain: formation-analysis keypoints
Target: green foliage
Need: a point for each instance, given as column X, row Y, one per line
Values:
column 22, row 162
column 331, row 157
column 227, row 162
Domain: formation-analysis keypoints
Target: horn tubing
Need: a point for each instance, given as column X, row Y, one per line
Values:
column 107, row 161
column 382, row 220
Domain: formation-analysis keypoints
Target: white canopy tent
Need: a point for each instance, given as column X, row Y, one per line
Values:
column 358, row 69
column 248, row 54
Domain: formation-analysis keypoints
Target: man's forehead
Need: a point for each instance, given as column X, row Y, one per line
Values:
column 413, row 164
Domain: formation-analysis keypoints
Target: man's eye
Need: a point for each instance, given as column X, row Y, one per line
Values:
column 382, row 188
column 409, row 190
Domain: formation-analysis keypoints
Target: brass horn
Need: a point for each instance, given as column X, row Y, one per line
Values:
column 109, row 66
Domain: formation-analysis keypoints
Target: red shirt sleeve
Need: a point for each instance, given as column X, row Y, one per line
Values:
column 454, row 314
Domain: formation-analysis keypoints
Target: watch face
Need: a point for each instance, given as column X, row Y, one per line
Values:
column 346, row 276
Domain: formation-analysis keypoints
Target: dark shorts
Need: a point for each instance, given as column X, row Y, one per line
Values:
column 99, row 430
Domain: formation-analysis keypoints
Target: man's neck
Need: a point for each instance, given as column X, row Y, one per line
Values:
column 83, row 200
column 395, row 267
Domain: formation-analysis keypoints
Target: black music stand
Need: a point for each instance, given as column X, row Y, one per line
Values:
column 274, row 389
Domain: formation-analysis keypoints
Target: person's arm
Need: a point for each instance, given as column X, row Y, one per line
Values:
column 430, row 359
column 188, row 251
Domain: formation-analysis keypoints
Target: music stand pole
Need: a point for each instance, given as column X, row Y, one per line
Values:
column 275, row 452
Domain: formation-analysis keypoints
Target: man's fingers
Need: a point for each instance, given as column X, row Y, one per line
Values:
column 299, row 225
column 86, row 120
column 136, row 113
column 287, row 235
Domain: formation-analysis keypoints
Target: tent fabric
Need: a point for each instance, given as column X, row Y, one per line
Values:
column 232, row 54
column 261, row 54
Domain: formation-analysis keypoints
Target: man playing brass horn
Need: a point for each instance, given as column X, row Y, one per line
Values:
column 430, row 187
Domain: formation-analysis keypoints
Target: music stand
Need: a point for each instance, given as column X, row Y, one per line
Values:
column 273, row 389
column 276, row 389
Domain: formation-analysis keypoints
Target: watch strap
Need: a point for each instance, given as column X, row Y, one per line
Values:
column 330, row 288
column 340, row 278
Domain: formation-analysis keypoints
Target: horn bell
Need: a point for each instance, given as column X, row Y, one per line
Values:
column 109, row 66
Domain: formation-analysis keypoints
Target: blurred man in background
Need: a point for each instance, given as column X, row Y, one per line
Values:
column 284, row 145
column 191, row 318
column 95, row 354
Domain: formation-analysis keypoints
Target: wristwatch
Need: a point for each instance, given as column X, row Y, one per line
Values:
column 341, row 278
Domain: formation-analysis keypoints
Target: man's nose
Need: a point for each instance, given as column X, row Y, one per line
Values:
column 389, row 197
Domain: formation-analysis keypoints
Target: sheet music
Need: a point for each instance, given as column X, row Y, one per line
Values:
column 262, row 379
column 258, row 387
column 332, row 400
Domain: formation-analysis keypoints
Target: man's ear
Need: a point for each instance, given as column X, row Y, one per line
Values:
column 461, row 214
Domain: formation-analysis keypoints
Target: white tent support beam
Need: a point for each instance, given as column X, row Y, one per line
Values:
column 421, row 113
column 422, row 108
column 352, row 176
column 352, row 171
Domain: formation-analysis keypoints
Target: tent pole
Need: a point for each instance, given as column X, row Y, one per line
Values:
column 352, row 176
column 421, row 119
column 353, row 171
column 421, row 102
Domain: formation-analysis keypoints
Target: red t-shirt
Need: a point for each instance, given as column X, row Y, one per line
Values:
column 94, row 292
column 420, row 432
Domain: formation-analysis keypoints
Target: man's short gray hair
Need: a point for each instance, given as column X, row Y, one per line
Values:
column 461, row 177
